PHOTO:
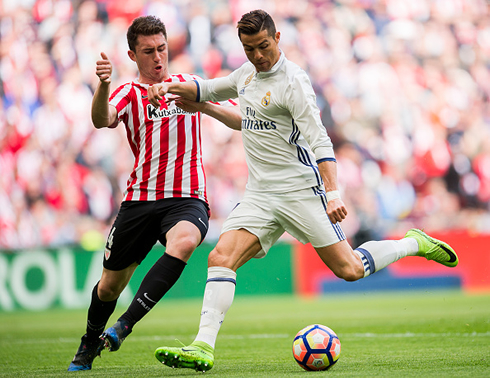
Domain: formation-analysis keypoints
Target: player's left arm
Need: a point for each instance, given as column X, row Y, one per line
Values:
column 336, row 209
column 300, row 100
column 302, row 105
column 229, row 115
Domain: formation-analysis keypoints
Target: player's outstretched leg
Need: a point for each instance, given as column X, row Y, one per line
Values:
column 433, row 249
column 86, row 353
column 115, row 335
column 198, row 356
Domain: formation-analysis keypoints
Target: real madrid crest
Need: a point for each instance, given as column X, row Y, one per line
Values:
column 266, row 99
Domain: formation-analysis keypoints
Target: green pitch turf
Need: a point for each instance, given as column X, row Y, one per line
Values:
column 417, row 334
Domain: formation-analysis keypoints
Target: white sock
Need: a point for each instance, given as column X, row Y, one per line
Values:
column 218, row 297
column 376, row 255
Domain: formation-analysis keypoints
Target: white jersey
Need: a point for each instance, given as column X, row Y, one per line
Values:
column 282, row 132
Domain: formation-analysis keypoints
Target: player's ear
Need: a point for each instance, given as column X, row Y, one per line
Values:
column 132, row 55
column 277, row 37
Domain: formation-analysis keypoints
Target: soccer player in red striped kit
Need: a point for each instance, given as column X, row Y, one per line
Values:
column 165, row 199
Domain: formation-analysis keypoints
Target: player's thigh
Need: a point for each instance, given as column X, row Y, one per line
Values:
column 182, row 240
column 303, row 215
column 234, row 249
column 132, row 235
column 255, row 215
column 184, row 223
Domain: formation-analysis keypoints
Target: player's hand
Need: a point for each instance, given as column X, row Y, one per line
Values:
column 188, row 105
column 103, row 68
column 156, row 93
column 336, row 210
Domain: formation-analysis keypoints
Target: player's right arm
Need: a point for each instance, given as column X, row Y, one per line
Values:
column 103, row 114
column 218, row 89
column 228, row 115
column 186, row 89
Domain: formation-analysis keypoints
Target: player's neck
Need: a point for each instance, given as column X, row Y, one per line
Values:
column 151, row 81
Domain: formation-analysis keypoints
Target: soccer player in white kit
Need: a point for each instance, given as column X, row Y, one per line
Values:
column 292, row 184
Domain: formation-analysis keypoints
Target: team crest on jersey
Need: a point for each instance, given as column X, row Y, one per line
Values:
column 249, row 79
column 107, row 253
column 266, row 99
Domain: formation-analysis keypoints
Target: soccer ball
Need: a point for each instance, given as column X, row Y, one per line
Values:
column 316, row 347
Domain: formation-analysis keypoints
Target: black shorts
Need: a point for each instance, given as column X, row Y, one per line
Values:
column 140, row 224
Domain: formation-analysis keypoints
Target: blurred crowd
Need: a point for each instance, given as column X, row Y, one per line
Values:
column 403, row 87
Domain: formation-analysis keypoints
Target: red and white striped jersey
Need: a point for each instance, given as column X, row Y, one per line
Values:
column 166, row 144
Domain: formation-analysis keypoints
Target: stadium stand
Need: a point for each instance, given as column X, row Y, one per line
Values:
column 403, row 88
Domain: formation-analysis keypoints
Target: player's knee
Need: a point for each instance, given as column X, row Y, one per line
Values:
column 352, row 276
column 188, row 244
column 183, row 247
column 350, row 273
column 215, row 258
column 218, row 258
column 108, row 293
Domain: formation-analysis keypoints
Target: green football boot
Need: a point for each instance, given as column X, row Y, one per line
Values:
column 198, row 356
column 433, row 249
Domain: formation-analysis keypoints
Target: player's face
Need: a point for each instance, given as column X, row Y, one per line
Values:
column 262, row 50
column 151, row 57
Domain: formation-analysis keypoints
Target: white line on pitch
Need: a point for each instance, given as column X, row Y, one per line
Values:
column 263, row 336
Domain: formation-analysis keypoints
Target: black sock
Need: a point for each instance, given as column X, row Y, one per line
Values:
column 99, row 313
column 159, row 279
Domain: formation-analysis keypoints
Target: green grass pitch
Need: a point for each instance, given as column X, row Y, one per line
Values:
column 416, row 334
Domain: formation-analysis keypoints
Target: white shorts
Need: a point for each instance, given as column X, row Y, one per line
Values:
column 301, row 213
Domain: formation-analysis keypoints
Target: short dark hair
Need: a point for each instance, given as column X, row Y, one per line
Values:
column 254, row 22
column 145, row 25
